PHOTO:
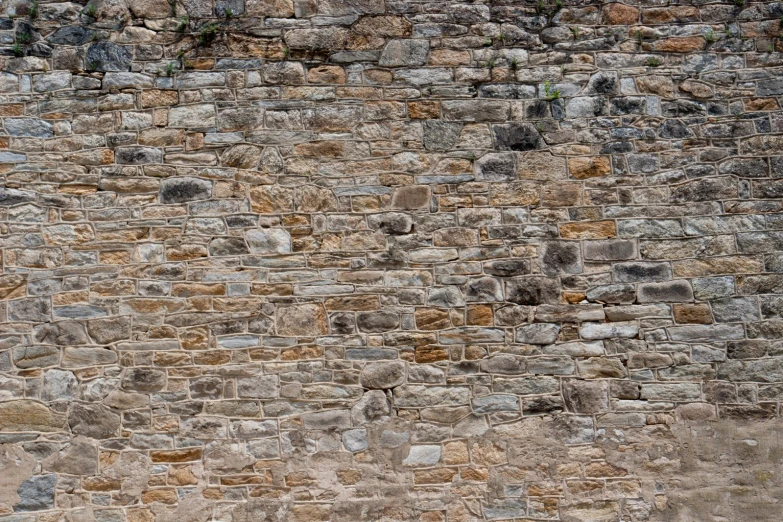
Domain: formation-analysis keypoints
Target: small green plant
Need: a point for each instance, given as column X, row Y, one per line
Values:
column 286, row 52
column 18, row 49
column 182, row 25
column 229, row 13
column 541, row 6
column 23, row 38
column 169, row 70
column 558, row 4
column 491, row 63
column 488, row 42
column 711, row 36
column 173, row 7
column 33, row 11
column 207, row 34
column 575, row 30
column 653, row 62
column 514, row 63
column 639, row 37
column 770, row 48
column 739, row 3
column 550, row 92
column 92, row 66
column 89, row 11
column 502, row 38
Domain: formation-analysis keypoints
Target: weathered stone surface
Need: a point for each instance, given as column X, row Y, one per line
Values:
column 383, row 375
column 180, row 190
column 398, row 53
column 93, row 420
column 29, row 415
column 36, row 493
column 301, row 320
column 390, row 260
column 108, row 56
column 269, row 241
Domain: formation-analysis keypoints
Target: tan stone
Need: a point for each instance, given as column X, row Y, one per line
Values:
column 479, row 315
column 698, row 89
column 672, row 14
column 616, row 13
column 301, row 320
column 455, row 453
column 588, row 230
column 656, row 84
column 717, row 265
column 29, row 415
column 692, row 313
column 432, row 319
column 178, row 455
column 687, row 44
column 592, row 167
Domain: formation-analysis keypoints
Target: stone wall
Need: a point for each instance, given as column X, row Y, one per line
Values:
column 391, row 260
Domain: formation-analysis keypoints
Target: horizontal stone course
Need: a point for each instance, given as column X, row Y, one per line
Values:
column 390, row 260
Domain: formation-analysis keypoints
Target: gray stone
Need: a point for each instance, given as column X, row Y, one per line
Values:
column 537, row 333
column 399, row 53
column 34, row 127
column 441, row 135
column 376, row 322
column 445, row 297
column 144, row 379
column 585, row 107
column 495, row 403
column 615, row 294
column 36, row 493
column 108, row 56
column 80, row 457
column 10, row 197
column 326, row 420
column 427, row 455
column 504, row 509
column 182, row 190
column 138, row 155
column 33, row 309
column 269, row 241
column 258, row 387
column 560, row 258
column 383, row 375
column 395, row 223
column 608, row 330
column 641, row 272
column 737, row 309
column 533, row 290
column 75, row 35
column 483, row 290
column 416, row 396
column 586, row 396
column 93, row 420
column 672, row 291
column 355, row 440
column 371, row 407
column 59, row 385
column 517, row 136
column 497, row 167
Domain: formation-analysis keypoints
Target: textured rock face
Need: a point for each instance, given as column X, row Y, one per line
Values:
column 391, row 260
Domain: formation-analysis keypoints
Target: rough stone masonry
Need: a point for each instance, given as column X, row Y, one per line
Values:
column 391, row 260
